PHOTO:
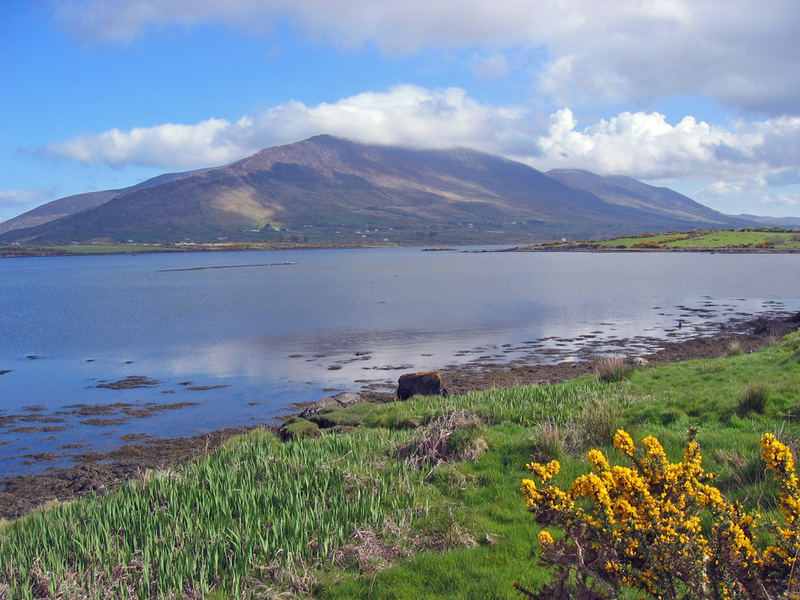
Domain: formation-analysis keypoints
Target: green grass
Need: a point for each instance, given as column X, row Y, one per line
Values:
column 346, row 516
column 710, row 240
column 110, row 249
column 252, row 507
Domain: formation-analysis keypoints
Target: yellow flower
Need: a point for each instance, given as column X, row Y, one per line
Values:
column 545, row 539
column 776, row 455
column 598, row 460
column 624, row 443
column 653, row 447
column 544, row 472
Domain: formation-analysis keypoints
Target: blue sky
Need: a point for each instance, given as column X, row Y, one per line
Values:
column 703, row 97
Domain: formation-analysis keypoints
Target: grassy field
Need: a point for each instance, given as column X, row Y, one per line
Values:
column 111, row 249
column 84, row 249
column 418, row 499
column 731, row 240
column 712, row 239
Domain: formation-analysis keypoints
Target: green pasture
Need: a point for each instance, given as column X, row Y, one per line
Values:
column 710, row 240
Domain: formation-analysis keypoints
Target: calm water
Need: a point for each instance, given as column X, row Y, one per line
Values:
column 276, row 333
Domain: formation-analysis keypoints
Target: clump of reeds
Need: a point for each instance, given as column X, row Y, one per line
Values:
column 552, row 439
column 612, row 369
column 753, row 400
column 208, row 527
column 599, row 420
column 734, row 348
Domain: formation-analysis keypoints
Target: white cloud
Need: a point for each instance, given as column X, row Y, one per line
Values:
column 645, row 145
column 169, row 145
column 405, row 115
column 784, row 199
column 490, row 67
column 740, row 52
column 13, row 202
column 642, row 145
column 720, row 188
column 23, row 196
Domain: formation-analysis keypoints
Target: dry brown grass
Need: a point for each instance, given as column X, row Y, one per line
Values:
column 456, row 436
column 613, row 368
column 374, row 551
column 734, row 348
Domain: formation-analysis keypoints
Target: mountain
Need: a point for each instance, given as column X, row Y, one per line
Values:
column 328, row 188
column 787, row 222
column 648, row 199
column 57, row 209
column 80, row 202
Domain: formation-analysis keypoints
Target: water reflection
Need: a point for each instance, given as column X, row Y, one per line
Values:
column 330, row 320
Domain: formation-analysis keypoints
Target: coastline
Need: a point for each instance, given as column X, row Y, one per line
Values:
column 101, row 472
column 610, row 249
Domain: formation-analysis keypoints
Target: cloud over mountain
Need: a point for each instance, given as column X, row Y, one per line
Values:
column 642, row 145
column 404, row 115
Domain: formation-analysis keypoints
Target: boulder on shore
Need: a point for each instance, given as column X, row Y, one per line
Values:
column 338, row 401
column 424, row 383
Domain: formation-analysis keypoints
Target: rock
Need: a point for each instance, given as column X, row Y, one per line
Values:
column 795, row 318
column 638, row 361
column 761, row 327
column 424, row 383
column 338, row 401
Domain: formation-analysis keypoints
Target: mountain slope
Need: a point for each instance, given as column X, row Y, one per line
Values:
column 70, row 205
column 626, row 191
column 331, row 188
column 57, row 209
column 788, row 222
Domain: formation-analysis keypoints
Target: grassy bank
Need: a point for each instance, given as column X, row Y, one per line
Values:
column 420, row 500
column 739, row 240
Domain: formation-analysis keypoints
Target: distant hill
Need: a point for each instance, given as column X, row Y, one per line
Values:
column 80, row 202
column 648, row 199
column 57, row 209
column 328, row 188
column 788, row 222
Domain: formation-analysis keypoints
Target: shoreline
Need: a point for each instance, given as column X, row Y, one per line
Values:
column 210, row 247
column 611, row 250
column 101, row 472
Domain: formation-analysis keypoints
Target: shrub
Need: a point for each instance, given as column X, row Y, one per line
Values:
column 613, row 368
column 552, row 439
column 754, row 399
column 775, row 240
column 662, row 529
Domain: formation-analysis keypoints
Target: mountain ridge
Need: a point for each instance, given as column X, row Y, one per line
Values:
column 332, row 188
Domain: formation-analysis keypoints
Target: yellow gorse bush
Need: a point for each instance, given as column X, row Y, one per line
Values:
column 639, row 526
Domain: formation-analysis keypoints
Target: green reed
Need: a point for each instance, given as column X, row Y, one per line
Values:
column 221, row 523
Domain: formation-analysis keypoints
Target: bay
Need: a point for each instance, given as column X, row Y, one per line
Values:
column 233, row 338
